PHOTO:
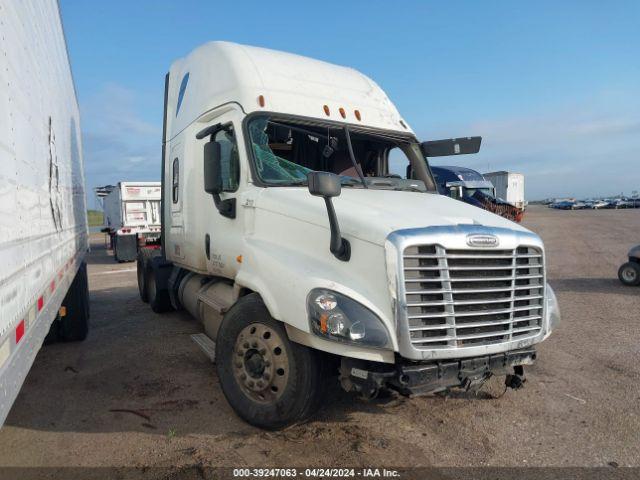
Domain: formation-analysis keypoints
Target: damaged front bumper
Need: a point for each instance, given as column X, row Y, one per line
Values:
column 420, row 378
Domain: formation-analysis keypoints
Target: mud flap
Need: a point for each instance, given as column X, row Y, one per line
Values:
column 125, row 248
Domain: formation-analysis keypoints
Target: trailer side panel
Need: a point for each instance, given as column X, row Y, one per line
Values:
column 43, row 219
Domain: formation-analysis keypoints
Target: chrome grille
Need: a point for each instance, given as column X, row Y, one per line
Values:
column 463, row 298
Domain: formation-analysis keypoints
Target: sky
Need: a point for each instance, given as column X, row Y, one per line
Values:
column 552, row 87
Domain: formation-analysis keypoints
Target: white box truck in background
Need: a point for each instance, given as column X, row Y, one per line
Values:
column 509, row 187
column 43, row 219
column 132, row 217
column 381, row 280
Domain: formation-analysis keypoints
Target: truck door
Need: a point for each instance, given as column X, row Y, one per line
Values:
column 222, row 238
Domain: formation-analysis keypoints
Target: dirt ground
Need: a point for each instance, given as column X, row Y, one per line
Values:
column 138, row 392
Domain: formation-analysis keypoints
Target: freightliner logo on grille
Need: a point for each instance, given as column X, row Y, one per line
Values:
column 482, row 240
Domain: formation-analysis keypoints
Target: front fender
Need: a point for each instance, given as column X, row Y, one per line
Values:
column 284, row 270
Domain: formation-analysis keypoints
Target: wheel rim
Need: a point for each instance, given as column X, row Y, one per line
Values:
column 629, row 274
column 260, row 363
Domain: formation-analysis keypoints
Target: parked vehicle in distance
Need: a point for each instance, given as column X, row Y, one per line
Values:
column 284, row 233
column 598, row 204
column 563, row 205
column 617, row 203
column 43, row 215
column 471, row 187
column 579, row 206
column 509, row 187
column 629, row 272
column 132, row 217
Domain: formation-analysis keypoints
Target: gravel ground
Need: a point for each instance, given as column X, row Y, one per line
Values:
column 139, row 393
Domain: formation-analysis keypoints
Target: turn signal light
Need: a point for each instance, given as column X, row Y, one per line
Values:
column 326, row 110
column 343, row 114
column 261, row 100
column 357, row 114
column 323, row 322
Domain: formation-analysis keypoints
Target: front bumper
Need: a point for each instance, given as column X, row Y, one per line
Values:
column 420, row 378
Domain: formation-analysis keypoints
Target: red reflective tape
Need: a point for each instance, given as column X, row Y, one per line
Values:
column 20, row 331
column 40, row 303
column 52, row 287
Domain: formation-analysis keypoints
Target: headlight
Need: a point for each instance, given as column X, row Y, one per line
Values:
column 553, row 309
column 336, row 317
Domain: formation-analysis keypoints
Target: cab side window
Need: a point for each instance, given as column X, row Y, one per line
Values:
column 229, row 158
column 175, row 184
column 398, row 163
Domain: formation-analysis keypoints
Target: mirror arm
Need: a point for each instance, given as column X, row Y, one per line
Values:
column 210, row 130
column 340, row 247
column 227, row 208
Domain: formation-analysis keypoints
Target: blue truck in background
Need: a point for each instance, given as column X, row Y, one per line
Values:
column 471, row 187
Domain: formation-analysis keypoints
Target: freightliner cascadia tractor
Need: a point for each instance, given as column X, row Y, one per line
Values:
column 284, row 233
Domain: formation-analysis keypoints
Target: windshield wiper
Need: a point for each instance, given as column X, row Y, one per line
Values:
column 295, row 183
column 353, row 157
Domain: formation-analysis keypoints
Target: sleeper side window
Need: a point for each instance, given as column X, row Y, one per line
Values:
column 229, row 159
column 175, row 184
column 181, row 92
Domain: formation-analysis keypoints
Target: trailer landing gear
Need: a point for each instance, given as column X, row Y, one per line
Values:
column 72, row 324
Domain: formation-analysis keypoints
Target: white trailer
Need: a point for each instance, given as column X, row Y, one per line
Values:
column 132, row 217
column 43, row 219
column 381, row 280
column 509, row 187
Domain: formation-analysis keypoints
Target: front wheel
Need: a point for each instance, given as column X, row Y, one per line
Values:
column 269, row 381
column 629, row 274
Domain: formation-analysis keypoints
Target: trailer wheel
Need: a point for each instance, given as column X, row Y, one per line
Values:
column 144, row 258
column 629, row 274
column 269, row 381
column 159, row 299
column 74, row 326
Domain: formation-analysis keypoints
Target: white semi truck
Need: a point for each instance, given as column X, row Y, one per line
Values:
column 43, row 219
column 132, row 217
column 285, row 234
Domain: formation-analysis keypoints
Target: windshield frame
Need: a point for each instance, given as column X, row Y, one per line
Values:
column 406, row 137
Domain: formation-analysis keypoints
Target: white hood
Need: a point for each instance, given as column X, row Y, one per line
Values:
column 371, row 215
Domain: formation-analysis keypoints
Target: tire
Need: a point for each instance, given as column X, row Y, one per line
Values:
column 629, row 274
column 252, row 347
column 159, row 299
column 74, row 326
column 144, row 257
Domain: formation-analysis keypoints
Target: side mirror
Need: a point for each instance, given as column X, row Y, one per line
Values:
column 324, row 184
column 451, row 146
column 212, row 170
column 327, row 185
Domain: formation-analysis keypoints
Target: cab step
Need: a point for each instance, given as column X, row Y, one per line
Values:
column 207, row 345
